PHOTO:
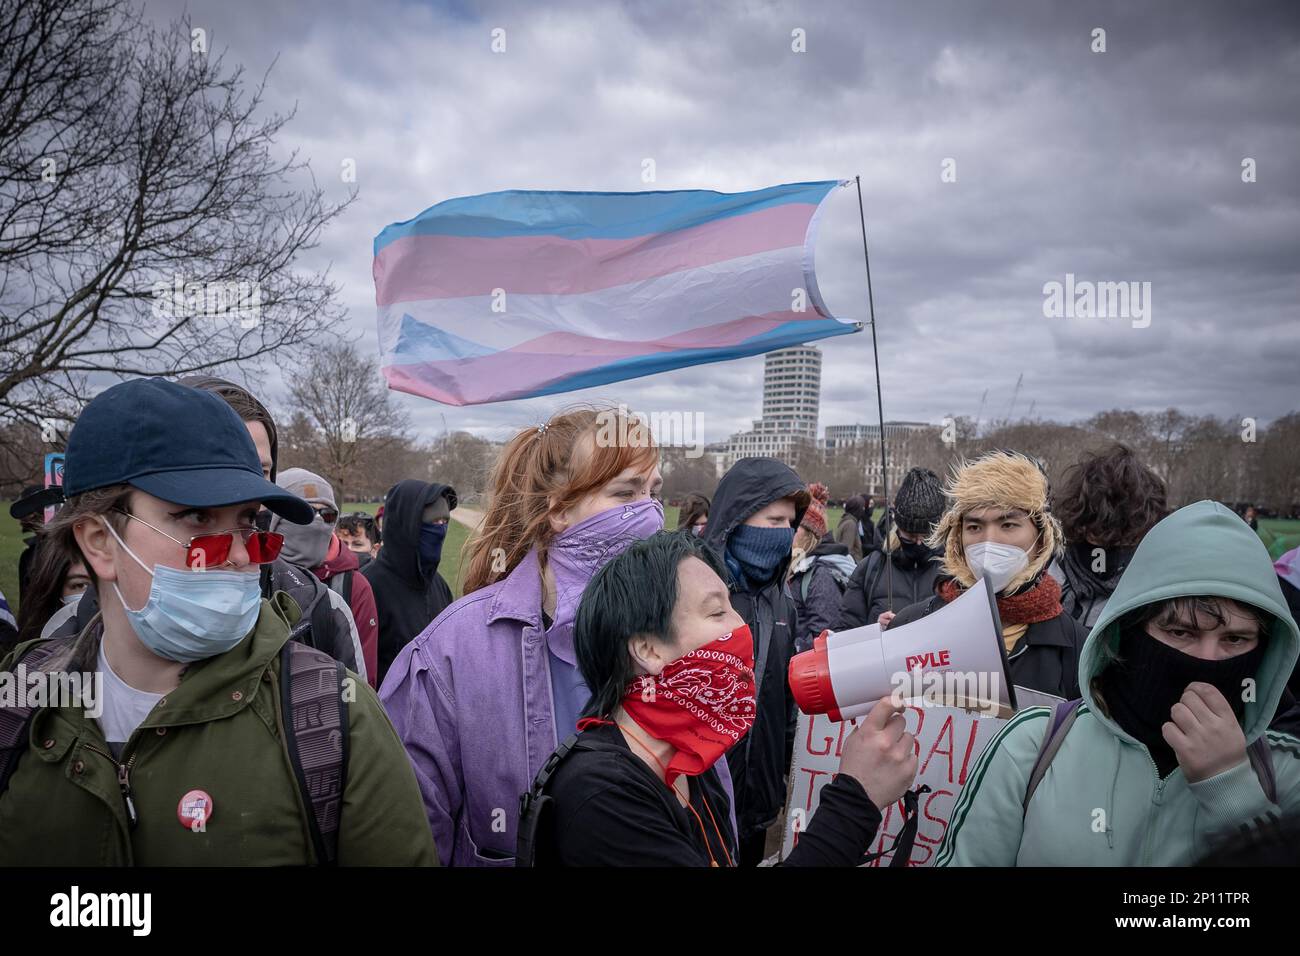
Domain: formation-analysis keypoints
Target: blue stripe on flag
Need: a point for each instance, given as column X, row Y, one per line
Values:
column 592, row 215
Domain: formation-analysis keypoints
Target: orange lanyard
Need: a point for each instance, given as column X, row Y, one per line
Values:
column 703, row 833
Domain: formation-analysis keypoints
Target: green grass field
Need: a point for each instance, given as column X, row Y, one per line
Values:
column 1279, row 535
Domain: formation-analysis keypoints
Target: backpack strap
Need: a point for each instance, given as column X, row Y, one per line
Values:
column 1058, row 726
column 535, row 803
column 1064, row 714
column 1261, row 761
column 341, row 584
column 16, row 722
column 869, row 583
column 316, row 726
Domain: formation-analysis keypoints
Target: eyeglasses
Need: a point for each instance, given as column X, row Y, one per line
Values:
column 211, row 550
column 328, row 515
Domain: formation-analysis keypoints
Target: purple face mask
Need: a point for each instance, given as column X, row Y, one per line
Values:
column 579, row 552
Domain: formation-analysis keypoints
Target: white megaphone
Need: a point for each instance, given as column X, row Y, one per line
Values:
column 954, row 658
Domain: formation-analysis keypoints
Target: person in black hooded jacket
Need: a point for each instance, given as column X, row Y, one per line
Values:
column 409, row 591
column 758, row 504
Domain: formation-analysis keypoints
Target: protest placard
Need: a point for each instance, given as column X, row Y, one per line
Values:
column 949, row 742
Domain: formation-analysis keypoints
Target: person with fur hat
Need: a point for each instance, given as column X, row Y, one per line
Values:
column 906, row 570
column 999, row 526
column 819, row 571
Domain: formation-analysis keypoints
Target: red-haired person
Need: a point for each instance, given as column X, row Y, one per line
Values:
column 488, row 690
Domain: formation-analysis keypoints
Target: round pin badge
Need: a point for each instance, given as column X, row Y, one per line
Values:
column 195, row 810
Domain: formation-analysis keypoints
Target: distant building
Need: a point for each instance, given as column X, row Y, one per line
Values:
column 792, row 382
column 841, row 437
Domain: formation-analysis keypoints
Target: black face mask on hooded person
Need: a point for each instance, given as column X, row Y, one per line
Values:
column 1141, row 688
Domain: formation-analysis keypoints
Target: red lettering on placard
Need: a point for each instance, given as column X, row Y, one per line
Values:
column 812, row 784
column 930, row 659
column 936, row 749
column 809, row 745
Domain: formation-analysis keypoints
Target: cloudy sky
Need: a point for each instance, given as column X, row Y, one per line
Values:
column 1123, row 165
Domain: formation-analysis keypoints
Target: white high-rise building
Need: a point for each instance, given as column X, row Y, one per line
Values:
column 792, row 382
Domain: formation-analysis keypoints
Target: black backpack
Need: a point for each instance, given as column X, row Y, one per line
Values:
column 314, row 712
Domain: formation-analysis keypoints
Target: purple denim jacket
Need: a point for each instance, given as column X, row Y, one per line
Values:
column 470, row 698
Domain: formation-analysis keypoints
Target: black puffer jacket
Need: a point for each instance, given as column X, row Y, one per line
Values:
column 875, row 588
column 760, row 761
column 408, row 594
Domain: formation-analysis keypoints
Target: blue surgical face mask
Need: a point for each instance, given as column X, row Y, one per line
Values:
column 193, row 615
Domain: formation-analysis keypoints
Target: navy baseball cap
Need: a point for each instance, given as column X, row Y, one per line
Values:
column 174, row 442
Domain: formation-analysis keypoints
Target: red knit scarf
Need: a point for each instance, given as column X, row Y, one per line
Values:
column 1042, row 602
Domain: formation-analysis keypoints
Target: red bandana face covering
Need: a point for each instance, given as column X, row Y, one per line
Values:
column 701, row 703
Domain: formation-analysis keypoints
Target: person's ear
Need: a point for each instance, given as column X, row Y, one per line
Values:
column 559, row 519
column 648, row 654
column 97, row 546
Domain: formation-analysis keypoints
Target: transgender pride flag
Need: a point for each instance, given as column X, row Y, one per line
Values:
column 521, row 293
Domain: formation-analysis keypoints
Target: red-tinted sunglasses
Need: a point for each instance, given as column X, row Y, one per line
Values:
column 213, row 549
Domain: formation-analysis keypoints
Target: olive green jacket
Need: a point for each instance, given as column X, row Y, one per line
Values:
column 219, row 731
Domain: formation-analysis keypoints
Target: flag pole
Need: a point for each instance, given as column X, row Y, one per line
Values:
column 880, row 407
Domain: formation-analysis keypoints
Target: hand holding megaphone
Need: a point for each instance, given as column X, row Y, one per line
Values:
column 880, row 754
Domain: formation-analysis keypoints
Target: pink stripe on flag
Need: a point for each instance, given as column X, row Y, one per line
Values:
column 439, row 267
column 484, row 379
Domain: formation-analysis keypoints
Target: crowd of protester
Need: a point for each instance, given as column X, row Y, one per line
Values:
column 303, row 682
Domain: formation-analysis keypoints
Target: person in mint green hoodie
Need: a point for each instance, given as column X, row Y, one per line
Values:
column 1168, row 752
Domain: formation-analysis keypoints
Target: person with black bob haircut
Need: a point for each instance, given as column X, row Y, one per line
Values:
column 670, row 665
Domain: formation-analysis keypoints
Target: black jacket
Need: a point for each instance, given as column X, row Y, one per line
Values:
column 611, row 810
column 760, row 761
column 869, row 592
column 1046, row 659
column 408, row 595
column 26, row 561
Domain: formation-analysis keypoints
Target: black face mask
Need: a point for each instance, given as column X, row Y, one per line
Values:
column 910, row 555
column 1141, row 688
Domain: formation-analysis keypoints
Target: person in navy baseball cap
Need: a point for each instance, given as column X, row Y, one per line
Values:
column 163, row 484
column 193, row 736
column 174, row 442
